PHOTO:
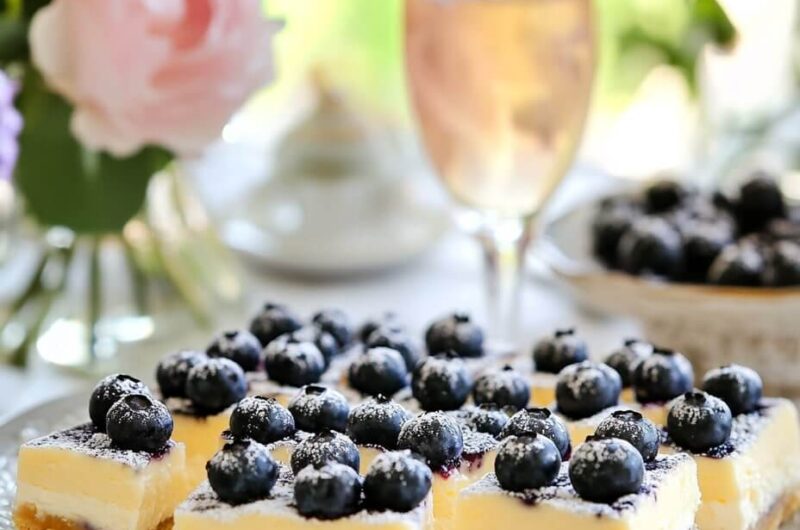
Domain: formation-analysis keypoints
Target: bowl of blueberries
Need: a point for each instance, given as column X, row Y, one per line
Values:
column 715, row 274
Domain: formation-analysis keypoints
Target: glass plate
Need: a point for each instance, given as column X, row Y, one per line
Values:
column 53, row 415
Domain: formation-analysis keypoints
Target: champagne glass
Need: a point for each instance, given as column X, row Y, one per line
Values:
column 501, row 89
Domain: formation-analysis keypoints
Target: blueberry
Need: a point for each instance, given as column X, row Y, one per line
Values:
column 242, row 471
column 526, row 462
column 738, row 386
column 173, row 369
column 434, row 436
column 108, row 391
column 740, row 264
column 377, row 422
column 455, row 333
column 441, row 383
column 539, row 421
column 262, row 419
column 487, row 418
column 323, row 340
column 396, row 340
column 335, row 322
column 378, row 371
column 783, row 265
column 292, row 362
column 388, row 320
column 505, row 388
column 760, row 201
column 317, row 408
column 137, row 422
column 665, row 195
column 330, row 492
column 565, row 347
column 608, row 227
column 273, row 321
column 241, row 347
column 625, row 359
column 396, row 481
column 652, row 246
column 586, row 388
column 698, row 421
column 702, row 243
column 324, row 447
column 215, row 385
column 633, row 428
column 662, row 376
column 605, row 470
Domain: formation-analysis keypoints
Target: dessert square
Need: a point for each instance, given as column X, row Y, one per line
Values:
column 76, row 479
column 200, row 433
column 204, row 511
column 752, row 482
column 667, row 500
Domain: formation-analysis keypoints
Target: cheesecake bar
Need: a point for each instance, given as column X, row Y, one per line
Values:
column 752, row 480
column 582, row 428
column 77, row 479
column 667, row 500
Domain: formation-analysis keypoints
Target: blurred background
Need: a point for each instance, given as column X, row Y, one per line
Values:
column 319, row 192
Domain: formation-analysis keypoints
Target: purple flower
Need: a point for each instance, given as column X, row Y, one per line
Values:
column 10, row 126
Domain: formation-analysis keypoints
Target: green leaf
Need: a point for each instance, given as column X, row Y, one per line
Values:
column 67, row 185
column 13, row 41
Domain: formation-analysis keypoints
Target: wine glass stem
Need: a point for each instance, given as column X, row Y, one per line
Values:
column 505, row 242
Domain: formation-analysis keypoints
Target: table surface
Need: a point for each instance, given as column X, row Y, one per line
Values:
column 446, row 278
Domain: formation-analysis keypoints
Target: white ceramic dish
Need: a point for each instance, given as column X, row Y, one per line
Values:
column 714, row 325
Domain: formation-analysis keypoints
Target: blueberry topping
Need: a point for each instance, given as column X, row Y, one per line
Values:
column 605, row 470
column 317, row 408
column 335, row 322
column 242, row 471
column 662, row 376
column 137, row 422
column 292, row 362
column 455, row 333
column 378, row 371
column 625, row 359
column 441, row 383
column 323, row 340
column 698, row 421
column 330, row 492
column 241, row 347
column 651, row 246
column 738, row 386
column 487, row 418
column 173, row 370
column 586, row 388
column 436, row 437
column 553, row 354
column 273, row 321
column 539, row 421
column 215, row 385
column 397, row 481
column 760, row 201
column 664, row 195
column 387, row 320
column 633, row 428
column 396, row 340
column 527, row 462
column 108, row 391
column 262, row 419
column 324, row 447
column 505, row 388
column 740, row 264
column 377, row 422
column 783, row 266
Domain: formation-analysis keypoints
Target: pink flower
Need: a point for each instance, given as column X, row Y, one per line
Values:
column 162, row 72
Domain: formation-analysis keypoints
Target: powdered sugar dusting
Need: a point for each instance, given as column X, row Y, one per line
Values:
column 85, row 439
